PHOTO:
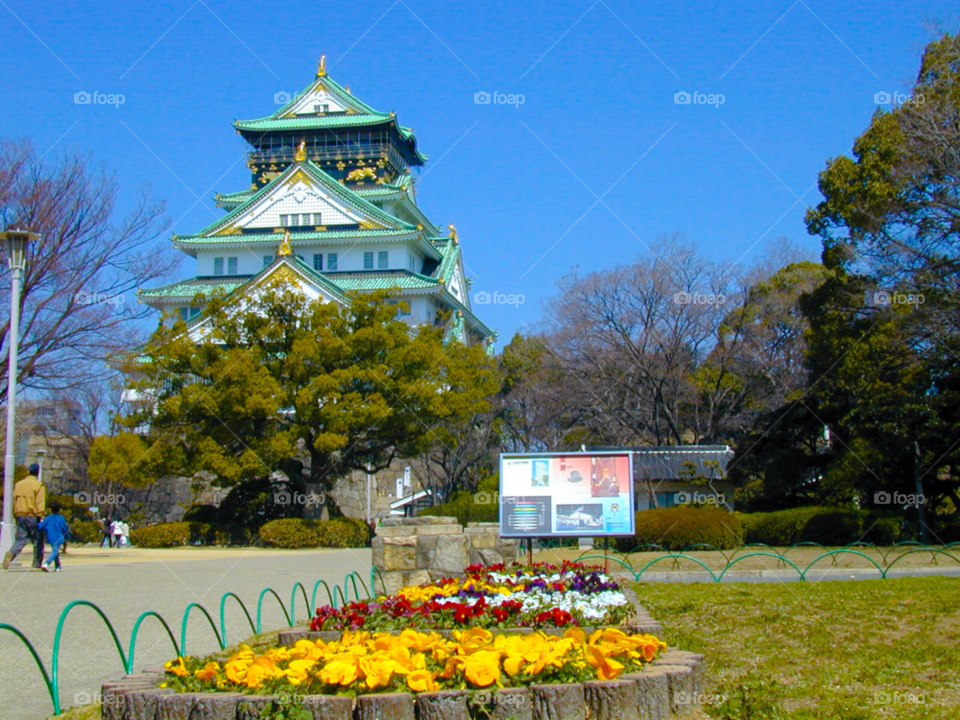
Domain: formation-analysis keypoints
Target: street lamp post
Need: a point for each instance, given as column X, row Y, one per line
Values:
column 16, row 257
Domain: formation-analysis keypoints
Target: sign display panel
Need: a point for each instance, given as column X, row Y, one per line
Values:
column 566, row 494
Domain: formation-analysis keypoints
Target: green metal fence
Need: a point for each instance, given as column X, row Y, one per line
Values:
column 883, row 567
column 340, row 593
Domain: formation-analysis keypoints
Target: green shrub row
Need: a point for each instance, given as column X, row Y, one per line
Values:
column 679, row 527
column 189, row 533
column 825, row 525
column 85, row 531
column 300, row 533
column 285, row 533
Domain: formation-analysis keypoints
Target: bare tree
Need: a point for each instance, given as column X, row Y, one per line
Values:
column 77, row 308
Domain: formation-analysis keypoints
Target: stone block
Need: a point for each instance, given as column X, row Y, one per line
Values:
column 483, row 541
column 143, row 704
column 490, row 556
column 328, row 707
column 512, row 704
column 253, row 707
column 495, row 526
column 611, row 699
column 450, row 555
column 215, row 706
column 431, row 520
column 558, row 702
column 653, row 695
column 393, row 581
column 680, row 685
column 444, row 705
column 386, row 706
column 395, row 531
column 691, row 661
column 416, row 577
column 397, row 556
column 175, row 706
column 438, row 530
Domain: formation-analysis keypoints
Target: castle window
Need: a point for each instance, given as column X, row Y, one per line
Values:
column 316, row 219
column 283, row 220
column 368, row 261
column 332, row 262
column 232, row 266
column 294, row 220
column 383, row 260
column 318, row 261
column 218, row 266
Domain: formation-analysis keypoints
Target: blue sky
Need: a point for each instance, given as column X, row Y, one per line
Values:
column 596, row 163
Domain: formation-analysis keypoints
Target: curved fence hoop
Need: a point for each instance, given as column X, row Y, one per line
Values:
column 343, row 598
column 843, row 551
column 223, row 616
column 614, row 559
column 920, row 549
column 54, row 695
column 746, row 548
column 676, row 558
column 55, row 659
column 375, row 572
column 777, row 556
column 313, row 595
column 293, row 602
column 136, row 631
column 260, row 608
column 183, row 627
column 352, row 576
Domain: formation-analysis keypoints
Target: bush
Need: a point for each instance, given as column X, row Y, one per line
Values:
column 85, row 531
column 823, row 525
column 679, row 527
column 300, row 533
column 189, row 533
column 467, row 507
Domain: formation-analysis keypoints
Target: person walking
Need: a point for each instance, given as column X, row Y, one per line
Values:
column 29, row 505
column 116, row 529
column 54, row 527
column 105, row 529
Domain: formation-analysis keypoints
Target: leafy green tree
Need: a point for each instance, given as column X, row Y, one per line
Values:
column 276, row 381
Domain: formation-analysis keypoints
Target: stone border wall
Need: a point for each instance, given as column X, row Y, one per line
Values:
column 659, row 692
column 411, row 551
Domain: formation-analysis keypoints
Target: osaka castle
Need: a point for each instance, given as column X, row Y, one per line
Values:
column 331, row 208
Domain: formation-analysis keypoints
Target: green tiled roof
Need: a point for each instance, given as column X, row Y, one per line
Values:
column 189, row 288
column 403, row 279
column 314, row 236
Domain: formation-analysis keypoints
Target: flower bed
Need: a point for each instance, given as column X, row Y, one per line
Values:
column 362, row 662
column 493, row 596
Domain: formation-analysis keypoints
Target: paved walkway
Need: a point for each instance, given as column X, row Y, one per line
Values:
column 124, row 583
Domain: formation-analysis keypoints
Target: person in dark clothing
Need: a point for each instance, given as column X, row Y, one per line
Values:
column 54, row 527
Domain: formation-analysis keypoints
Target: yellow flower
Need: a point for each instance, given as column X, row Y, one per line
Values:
column 342, row 671
column 472, row 640
column 513, row 664
column 262, row 668
column 208, row 672
column 176, row 667
column 422, row 681
column 378, row 671
column 607, row 669
column 299, row 670
column 482, row 668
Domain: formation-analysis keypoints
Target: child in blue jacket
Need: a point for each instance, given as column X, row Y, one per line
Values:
column 56, row 529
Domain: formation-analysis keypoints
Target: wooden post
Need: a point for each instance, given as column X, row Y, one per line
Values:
column 606, row 551
column 529, row 551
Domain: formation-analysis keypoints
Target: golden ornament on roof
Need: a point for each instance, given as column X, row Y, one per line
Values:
column 301, row 154
column 322, row 68
column 361, row 174
column 285, row 247
column 453, row 232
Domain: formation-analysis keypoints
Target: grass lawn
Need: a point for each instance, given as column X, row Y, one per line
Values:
column 838, row 650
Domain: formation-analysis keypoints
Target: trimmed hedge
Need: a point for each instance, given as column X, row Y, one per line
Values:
column 85, row 531
column 300, row 533
column 679, row 527
column 189, row 533
column 828, row 526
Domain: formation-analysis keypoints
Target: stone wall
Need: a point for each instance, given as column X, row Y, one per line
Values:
column 410, row 551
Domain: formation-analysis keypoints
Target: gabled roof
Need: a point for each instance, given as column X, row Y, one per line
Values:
column 188, row 289
column 346, row 111
column 308, row 172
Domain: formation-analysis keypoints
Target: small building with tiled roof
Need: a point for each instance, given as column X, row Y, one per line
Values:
column 331, row 183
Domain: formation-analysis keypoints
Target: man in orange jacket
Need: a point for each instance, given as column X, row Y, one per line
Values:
column 29, row 506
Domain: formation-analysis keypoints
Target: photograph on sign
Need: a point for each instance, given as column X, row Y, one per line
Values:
column 566, row 494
